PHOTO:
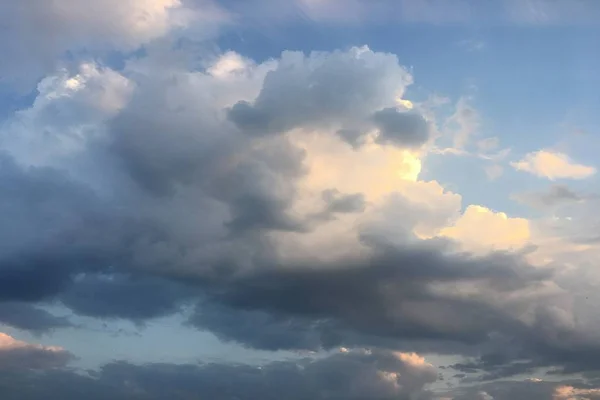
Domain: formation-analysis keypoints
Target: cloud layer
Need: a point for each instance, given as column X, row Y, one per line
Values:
column 281, row 204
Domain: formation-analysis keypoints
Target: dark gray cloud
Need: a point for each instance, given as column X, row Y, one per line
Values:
column 388, row 296
column 263, row 330
column 401, row 128
column 27, row 317
column 53, row 227
column 137, row 298
column 353, row 375
column 357, row 375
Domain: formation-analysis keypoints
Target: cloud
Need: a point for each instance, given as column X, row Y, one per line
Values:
column 552, row 165
column 481, row 229
column 17, row 355
column 355, row 374
column 571, row 393
column 402, row 289
column 281, row 205
column 505, row 390
column 405, row 129
column 346, row 91
column 27, row 317
column 555, row 195
column 70, row 107
column 54, row 227
column 42, row 33
column 124, row 296
column 199, row 184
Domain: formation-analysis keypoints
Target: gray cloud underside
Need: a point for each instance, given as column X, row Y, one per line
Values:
column 348, row 376
column 27, row 317
column 344, row 376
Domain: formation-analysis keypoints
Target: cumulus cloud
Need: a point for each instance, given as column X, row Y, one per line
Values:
column 553, row 165
column 214, row 178
column 481, row 229
column 283, row 200
column 70, row 107
column 345, row 91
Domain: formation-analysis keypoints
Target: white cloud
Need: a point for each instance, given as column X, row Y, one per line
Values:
column 480, row 229
column 553, row 165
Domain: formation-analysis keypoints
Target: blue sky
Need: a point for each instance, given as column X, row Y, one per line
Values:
column 403, row 193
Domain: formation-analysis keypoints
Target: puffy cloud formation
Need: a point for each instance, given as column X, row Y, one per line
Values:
column 230, row 188
column 553, row 165
column 480, row 229
column 344, row 91
column 279, row 205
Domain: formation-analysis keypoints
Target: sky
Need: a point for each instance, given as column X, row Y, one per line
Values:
column 299, row 199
